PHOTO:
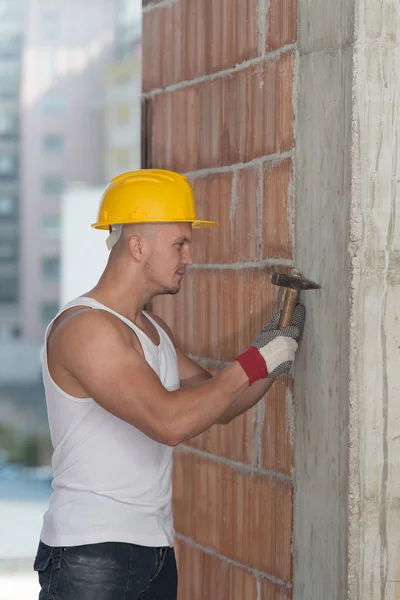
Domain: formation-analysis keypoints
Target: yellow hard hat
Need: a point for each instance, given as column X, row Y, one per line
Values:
column 148, row 196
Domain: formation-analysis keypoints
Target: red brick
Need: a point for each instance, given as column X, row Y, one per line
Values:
column 185, row 40
column 282, row 25
column 237, row 211
column 277, row 448
column 237, row 440
column 213, row 200
column 151, row 52
column 285, row 115
column 245, row 518
column 218, row 312
column 176, row 130
column 245, row 218
column 227, row 120
column 234, row 441
column 276, row 228
column 206, row 577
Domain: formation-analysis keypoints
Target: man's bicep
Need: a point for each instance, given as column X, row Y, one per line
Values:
column 190, row 372
column 119, row 379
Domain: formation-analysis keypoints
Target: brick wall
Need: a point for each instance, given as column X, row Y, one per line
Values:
column 217, row 99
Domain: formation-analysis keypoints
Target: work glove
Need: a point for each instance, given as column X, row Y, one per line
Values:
column 271, row 332
column 272, row 352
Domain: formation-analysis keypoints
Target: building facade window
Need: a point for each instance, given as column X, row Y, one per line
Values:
column 8, row 249
column 53, row 184
column 121, row 159
column 51, row 268
column 53, row 102
column 49, row 63
column 122, row 114
column 10, row 47
column 9, row 290
column 8, row 165
column 51, row 226
column 7, row 205
column 50, row 26
column 53, row 144
column 9, row 9
column 49, row 311
column 8, row 125
column 9, row 85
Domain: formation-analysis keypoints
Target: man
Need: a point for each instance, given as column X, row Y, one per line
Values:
column 120, row 394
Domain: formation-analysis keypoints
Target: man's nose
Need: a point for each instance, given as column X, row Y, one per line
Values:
column 187, row 257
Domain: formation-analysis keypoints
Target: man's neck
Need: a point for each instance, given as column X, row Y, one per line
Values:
column 125, row 296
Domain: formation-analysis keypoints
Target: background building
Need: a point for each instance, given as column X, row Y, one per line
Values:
column 85, row 254
column 68, row 45
column 11, row 39
column 79, row 126
column 123, row 93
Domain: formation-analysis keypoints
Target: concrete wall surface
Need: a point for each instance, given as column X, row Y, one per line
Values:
column 374, row 534
column 347, row 382
column 323, row 192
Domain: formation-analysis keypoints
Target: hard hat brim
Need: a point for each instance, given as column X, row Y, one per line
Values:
column 196, row 224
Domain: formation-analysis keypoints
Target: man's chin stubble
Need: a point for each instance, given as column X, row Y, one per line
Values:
column 172, row 291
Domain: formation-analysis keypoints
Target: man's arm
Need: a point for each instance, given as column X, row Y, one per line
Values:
column 93, row 350
column 190, row 372
column 246, row 400
column 99, row 355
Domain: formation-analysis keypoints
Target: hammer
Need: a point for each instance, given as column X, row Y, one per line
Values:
column 293, row 284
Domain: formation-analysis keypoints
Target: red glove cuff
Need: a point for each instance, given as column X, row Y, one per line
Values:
column 253, row 364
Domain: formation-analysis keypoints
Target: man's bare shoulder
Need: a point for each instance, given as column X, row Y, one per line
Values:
column 81, row 326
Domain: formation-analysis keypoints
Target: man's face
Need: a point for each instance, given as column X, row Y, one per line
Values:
column 169, row 256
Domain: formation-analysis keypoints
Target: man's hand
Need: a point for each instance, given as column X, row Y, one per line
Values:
column 272, row 352
column 271, row 331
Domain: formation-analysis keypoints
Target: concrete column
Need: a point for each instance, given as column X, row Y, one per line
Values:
column 347, row 452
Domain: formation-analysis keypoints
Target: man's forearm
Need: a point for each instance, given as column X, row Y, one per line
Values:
column 246, row 400
column 190, row 411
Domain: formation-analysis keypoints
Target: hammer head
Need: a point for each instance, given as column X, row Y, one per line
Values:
column 296, row 282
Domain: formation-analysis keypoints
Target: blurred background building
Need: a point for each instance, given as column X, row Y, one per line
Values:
column 68, row 45
column 123, row 94
column 70, row 85
column 86, row 248
column 11, row 45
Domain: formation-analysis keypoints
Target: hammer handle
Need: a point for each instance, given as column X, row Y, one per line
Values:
column 289, row 304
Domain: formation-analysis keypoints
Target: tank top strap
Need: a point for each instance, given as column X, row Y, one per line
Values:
column 161, row 331
column 92, row 303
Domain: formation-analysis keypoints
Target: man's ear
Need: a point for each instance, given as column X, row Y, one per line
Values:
column 136, row 247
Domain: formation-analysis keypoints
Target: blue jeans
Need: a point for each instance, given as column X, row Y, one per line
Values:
column 106, row 571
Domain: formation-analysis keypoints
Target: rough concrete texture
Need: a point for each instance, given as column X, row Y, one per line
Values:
column 324, row 25
column 374, row 534
column 347, row 479
column 321, row 374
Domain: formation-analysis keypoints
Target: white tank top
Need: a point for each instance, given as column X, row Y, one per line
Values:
column 111, row 482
